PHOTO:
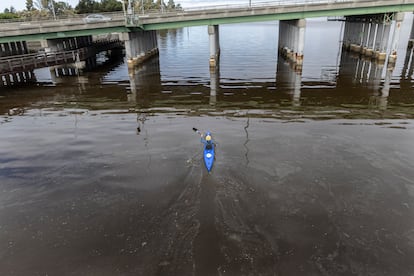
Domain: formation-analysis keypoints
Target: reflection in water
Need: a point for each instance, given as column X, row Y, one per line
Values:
column 358, row 88
column 385, row 91
column 291, row 78
column 214, row 83
column 246, row 127
column 144, row 81
column 16, row 79
column 408, row 69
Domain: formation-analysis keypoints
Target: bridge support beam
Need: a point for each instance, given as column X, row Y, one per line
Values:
column 399, row 17
column 66, row 44
column 292, row 40
column 139, row 46
column 213, row 35
column 370, row 45
column 411, row 39
column 384, row 34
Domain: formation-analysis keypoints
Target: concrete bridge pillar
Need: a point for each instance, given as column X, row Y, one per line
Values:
column 292, row 40
column 411, row 40
column 13, row 48
column 357, row 31
column 139, row 46
column 346, row 41
column 365, row 37
column 300, row 41
column 399, row 17
column 214, row 39
column 383, row 37
column 369, row 50
column 5, row 50
column 132, row 45
column 407, row 70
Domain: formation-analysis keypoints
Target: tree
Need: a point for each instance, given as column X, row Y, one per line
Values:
column 156, row 5
column 10, row 10
column 110, row 6
column 29, row 5
column 171, row 5
column 9, row 13
column 91, row 6
column 62, row 8
column 87, row 6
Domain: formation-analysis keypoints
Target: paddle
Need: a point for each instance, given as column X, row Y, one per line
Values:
column 197, row 131
column 201, row 134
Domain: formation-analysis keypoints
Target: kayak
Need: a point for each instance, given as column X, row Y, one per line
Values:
column 209, row 156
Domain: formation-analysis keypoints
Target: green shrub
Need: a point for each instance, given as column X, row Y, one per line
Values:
column 8, row 16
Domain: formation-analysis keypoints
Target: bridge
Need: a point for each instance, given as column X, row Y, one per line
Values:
column 213, row 15
column 370, row 18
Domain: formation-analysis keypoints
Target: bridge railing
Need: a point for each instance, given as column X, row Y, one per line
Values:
column 31, row 61
column 256, row 4
column 251, row 5
column 245, row 4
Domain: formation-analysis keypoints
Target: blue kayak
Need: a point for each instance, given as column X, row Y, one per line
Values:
column 209, row 155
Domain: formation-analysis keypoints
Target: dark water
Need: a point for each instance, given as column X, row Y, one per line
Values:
column 101, row 174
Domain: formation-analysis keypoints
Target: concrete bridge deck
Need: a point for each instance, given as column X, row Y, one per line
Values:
column 265, row 11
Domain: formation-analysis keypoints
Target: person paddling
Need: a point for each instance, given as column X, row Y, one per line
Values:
column 208, row 151
column 207, row 140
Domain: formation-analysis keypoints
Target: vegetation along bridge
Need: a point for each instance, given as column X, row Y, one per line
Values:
column 367, row 27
